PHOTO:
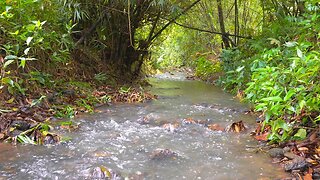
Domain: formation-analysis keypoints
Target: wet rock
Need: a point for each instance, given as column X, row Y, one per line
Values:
column 49, row 139
column 171, row 127
column 296, row 164
column 144, row 121
column 276, row 153
column 105, row 173
column 316, row 175
column 290, row 155
column 161, row 154
column 98, row 173
column 20, row 125
column 137, row 176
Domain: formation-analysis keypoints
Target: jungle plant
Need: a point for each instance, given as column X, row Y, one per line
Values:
column 205, row 69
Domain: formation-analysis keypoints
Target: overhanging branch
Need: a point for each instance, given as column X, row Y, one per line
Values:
column 173, row 20
column 211, row 32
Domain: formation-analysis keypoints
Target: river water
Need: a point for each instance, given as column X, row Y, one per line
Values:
column 126, row 137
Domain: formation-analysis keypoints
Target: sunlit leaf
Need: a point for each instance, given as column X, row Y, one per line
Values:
column 26, row 51
column 10, row 100
column 299, row 53
column 7, row 80
column 7, row 63
column 29, row 39
column 22, row 63
column 290, row 44
column 301, row 134
column 289, row 95
column 273, row 98
column 22, row 138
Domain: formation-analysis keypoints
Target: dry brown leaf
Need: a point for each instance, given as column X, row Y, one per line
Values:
column 236, row 127
column 1, row 135
column 308, row 175
column 262, row 137
column 304, row 149
column 312, row 161
column 313, row 136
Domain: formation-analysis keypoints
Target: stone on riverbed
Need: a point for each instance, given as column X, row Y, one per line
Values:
column 161, row 154
column 104, row 173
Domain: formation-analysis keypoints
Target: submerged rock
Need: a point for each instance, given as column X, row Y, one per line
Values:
column 161, row 154
column 98, row 173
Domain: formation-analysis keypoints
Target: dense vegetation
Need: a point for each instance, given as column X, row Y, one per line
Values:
column 265, row 51
column 61, row 57
column 278, row 71
column 271, row 60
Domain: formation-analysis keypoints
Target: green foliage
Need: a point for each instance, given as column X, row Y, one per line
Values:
column 236, row 68
column 205, row 69
column 279, row 74
column 67, row 111
column 29, row 31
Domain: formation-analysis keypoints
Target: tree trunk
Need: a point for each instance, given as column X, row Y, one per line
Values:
column 236, row 22
column 224, row 36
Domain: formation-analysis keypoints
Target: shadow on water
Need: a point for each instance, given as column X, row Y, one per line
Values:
column 125, row 137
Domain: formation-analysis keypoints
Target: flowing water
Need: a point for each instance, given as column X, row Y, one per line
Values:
column 117, row 138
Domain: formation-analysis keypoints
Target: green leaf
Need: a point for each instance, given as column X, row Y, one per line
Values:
column 261, row 106
column 302, row 104
column 26, row 51
column 7, row 80
column 290, row 93
column 37, row 101
column 7, row 63
column 11, row 57
column 273, row 98
column 290, row 44
column 240, row 68
column 300, row 135
column 22, row 138
column 299, row 53
column 22, row 63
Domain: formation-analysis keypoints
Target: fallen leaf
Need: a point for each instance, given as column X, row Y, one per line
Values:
column 1, row 135
column 236, row 127
column 262, row 137
column 313, row 136
column 308, row 175
column 304, row 149
column 312, row 161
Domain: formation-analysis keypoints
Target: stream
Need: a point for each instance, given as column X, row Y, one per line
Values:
column 125, row 138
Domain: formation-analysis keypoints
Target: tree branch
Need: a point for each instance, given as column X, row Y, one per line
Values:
column 173, row 20
column 211, row 32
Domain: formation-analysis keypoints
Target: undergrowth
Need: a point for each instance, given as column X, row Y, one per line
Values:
column 279, row 73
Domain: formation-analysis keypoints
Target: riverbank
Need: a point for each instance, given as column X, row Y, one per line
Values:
column 27, row 118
